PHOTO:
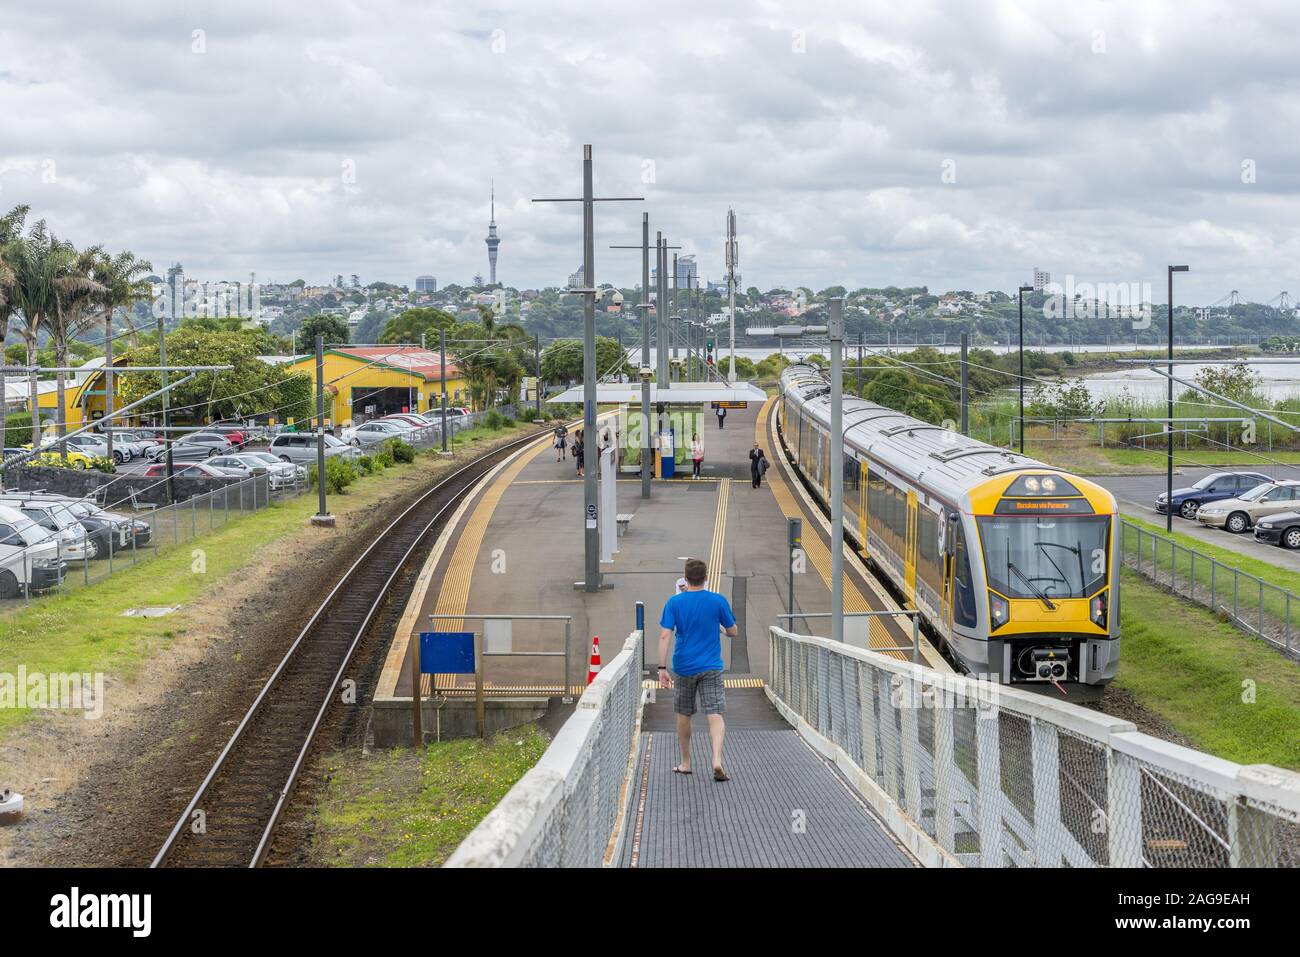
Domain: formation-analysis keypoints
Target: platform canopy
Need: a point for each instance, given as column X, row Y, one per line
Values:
column 616, row 393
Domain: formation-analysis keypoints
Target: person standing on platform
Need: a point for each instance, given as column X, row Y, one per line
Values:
column 699, row 618
column 561, row 441
column 579, row 451
column 697, row 455
column 722, row 417
column 757, row 465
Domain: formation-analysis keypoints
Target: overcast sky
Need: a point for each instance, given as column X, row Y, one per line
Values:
column 861, row 143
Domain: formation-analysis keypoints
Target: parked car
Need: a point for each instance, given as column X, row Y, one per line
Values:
column 189, row 470
column 109, row 531
column 300, row 447
column 1213, row 488
column 127, row 439
column 1281, row 528
column 29, row 555
column 237, row 435
column 194, row 447
column 405, row 418
column 58, row 521
column 280, row 474
column 1240, row 513
column 90, row 446
column 78, row 460
column 372, row 433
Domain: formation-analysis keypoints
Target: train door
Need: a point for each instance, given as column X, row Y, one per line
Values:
column 862, row 509
column 946, row 531
column 909, row 546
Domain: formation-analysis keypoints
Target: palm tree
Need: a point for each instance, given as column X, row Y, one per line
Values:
column 122, row 277
column 36, row 266
column 11, row 227
column 76, row 295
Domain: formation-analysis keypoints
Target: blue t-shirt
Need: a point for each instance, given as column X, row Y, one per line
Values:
column 696, row 616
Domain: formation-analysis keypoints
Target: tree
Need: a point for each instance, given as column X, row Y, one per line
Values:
column 251, row 388
column 411, row 324
column 76, row 296
column 37, row 266
column 562, row 360
column 11, row 228
column 333, row 328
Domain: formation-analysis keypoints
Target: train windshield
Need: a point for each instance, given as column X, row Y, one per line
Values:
column 1064, row 557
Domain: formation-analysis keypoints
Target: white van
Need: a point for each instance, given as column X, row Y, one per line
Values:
column 29, row 556
column 58, row 521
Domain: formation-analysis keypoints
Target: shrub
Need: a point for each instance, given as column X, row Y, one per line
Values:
column 366, row 465
column 494, row 420
column 339, row 474
column 103, row 463
column 402, row 451
column 383, row 456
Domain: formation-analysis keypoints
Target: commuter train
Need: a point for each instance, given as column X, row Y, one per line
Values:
column 1011, row 563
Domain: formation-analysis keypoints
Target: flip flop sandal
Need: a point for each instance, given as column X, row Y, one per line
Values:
column 678, row 770
column 720, row 775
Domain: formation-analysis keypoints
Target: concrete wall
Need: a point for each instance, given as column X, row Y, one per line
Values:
column 84, row 483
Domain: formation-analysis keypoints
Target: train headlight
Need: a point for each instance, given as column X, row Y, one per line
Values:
column 1031, row 484
column 1097, row 610
column 999, row 611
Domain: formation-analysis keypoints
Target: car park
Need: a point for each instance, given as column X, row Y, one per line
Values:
column 29, row 555
column 1241, row 513
column 109, row 531
column 300, row 447
column 280, row 474
column 1282, row 528
column 1216, row 487
column 58, row 521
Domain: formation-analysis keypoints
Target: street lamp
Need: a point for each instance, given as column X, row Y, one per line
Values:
column 1169, row 426
column 1021, row 295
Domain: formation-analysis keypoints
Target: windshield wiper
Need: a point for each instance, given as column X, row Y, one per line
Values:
column 1038, row 592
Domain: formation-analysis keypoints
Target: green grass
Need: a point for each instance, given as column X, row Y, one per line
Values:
column 1260, row 459
column 81, row 629
column 1198, row 673
column 1287, row 580
column 405, row 808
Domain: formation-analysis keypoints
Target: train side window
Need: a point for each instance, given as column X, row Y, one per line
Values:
column 928, row 530
column 851, row 468
column 963, row 588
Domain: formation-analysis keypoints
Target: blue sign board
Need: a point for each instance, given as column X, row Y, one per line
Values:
column 447, row 652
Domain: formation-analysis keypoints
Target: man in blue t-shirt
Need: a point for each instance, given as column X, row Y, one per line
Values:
column 699, row 617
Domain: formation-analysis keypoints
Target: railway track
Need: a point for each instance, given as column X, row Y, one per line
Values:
column 230, row 820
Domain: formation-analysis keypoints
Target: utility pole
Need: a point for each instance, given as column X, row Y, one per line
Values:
column 674, row 318
column 537, row 361
column 661, row 311
column 322, row 516
column 108, row 381
column 591, row 509
column 965, row 421
column 442, row 379
column 1021, row 294
column 733, row 259
column 859, row 365
column 1169, row 425
column 835, row 331
column 645, row 371
column 166, row 408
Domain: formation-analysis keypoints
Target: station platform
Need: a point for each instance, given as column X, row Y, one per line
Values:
column 516, row 548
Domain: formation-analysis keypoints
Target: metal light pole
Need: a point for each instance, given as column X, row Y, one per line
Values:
column 591, row 509
column 537, row 362
column 835, row 331
column 732, row 261
column 108, row 381
column 965, row 396
column 166, row 408
column 1021, row 295
column 442, row 379
column 661, row 312
column 673, row 317
column 322, row 516
column 647, row 435
column 1169, row 426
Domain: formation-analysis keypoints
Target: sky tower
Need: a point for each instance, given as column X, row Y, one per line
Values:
column 493, row 241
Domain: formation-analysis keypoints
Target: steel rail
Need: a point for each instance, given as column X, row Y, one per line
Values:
column 289, row 656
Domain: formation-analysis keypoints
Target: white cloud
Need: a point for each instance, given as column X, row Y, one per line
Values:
column 826, row 127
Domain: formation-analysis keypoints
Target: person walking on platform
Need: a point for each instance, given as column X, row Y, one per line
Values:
column 697, row 455
column 722, row 417
column 579, row 450
column 561, row 441
column 699, row 618
column 757, row 465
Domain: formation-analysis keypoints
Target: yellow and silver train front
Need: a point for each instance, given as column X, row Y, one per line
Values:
column 1047, row 588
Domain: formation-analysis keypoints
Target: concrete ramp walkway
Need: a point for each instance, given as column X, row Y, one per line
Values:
column 783, row 807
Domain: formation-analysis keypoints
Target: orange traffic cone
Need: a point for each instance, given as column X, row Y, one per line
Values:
column 595, row 659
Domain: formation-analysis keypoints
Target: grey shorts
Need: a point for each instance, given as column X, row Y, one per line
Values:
column 707, row 684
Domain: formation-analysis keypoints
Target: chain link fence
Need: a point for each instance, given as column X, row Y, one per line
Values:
column 1257, row 607
column 998, row 777
column 564, row 811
